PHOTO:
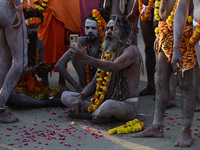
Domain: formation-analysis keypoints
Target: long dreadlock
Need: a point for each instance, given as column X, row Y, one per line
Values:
column 118, row 85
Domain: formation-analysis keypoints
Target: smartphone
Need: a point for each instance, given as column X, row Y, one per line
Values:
column 74, row 40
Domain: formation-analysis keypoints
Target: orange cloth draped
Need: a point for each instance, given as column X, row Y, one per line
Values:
column 60, row 16
column 166, row 41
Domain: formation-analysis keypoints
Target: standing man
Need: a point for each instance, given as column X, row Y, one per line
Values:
column 92, row 44
column 145, row 9
column 116, row 81
column 13, row 52
column 163, row 73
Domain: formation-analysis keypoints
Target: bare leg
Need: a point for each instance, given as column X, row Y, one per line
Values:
column 123, row 111
column 148, row 35
column 14, row 53
column 68, row 98
column 172, row 97
column 187, row 106
column 162, row 78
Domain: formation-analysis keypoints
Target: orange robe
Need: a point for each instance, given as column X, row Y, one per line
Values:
column 60, row 17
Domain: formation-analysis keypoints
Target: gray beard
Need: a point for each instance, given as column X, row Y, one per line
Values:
column 110, row 44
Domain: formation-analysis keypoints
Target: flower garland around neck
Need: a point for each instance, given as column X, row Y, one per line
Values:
column 129, row 127
column 34, row 20
column 87, row 70
column 145, row 15
column 103, row 78
column 40, row 7
column 100, row 23
column 31, row 81
column 24, row 5
column 196, row 34
column 170, row 18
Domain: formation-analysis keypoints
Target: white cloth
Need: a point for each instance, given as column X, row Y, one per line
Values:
column 144, row 9
column 135, row 99
column 195, row 23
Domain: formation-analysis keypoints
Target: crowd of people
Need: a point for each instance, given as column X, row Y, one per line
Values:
column 35, row 40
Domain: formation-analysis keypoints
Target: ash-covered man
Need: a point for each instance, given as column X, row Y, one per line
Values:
column 113, row 92
column 92, row 44
column 13, row 52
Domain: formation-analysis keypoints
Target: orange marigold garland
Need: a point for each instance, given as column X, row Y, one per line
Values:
column 87, row 71
column 103, row 78
column 100, row 22
column 196, row 34
column 34, row 20
column 145, row 15
column 29, row 80
column 170, row 19
column 24, row 5
column 40, row 7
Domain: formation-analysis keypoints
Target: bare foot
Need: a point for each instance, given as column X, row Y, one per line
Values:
column 7, row 117
column 171, row 103
column 185, row 139
column 148, row 91
column 152, row 131
column 102, row 120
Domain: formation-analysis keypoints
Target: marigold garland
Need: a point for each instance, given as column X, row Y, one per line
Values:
column 196, row 34
column 40, row 7
column 87, row 71
column 103, row 78
column 145, row 15
column 129, row 127
column 24, row 5
column 100, row 23
column 34, row 20
column 170, row 18
column 29, row 80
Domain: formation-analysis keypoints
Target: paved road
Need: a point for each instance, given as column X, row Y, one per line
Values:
column 50, row 129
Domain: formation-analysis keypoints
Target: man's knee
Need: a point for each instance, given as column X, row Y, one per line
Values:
column 105, row 109
column 65, row 98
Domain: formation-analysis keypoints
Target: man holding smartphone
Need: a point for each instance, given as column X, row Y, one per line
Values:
column 113, row 93
column 92, row 44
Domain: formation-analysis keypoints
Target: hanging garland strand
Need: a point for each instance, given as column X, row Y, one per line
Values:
column 145, row 15
column 103, row 78
column 40, row 7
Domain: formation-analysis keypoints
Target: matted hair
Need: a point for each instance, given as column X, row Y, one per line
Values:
column 125, row 28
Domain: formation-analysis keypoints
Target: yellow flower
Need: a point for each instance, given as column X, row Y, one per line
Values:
column 190, row 19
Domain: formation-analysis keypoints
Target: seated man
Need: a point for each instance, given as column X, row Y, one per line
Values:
column 29, row 92
column 116, row 81
column 92, row 44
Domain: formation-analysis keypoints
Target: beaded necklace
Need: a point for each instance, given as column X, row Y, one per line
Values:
column 145, row 16
column 103, row 78
column 40, row 7
column 24, row 5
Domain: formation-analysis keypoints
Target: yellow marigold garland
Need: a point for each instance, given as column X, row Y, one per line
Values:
column 103, row 78
column 40, row 7
column 33, row 20
column 129, row 127
column 24, row 5
column 196, row 34
column 145, row 16
column 100, row 23
column 170, row 18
